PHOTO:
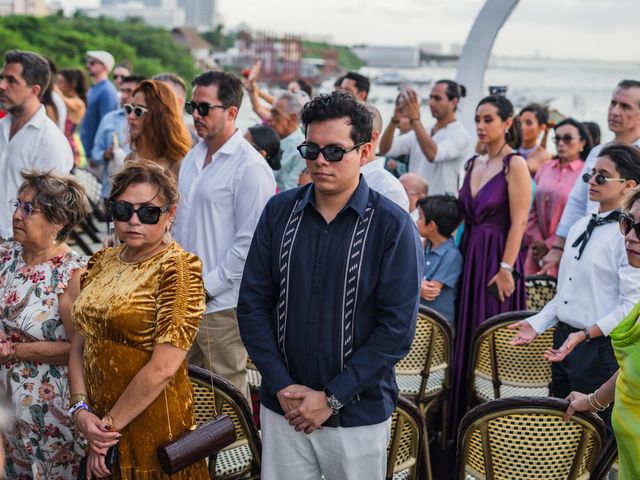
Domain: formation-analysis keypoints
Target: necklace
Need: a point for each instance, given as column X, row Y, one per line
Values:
column 485, row 162
column 124, row 265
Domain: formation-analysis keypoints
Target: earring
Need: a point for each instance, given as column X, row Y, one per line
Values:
column 167, row 238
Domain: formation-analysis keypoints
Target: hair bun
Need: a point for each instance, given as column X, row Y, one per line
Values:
column 463, row 90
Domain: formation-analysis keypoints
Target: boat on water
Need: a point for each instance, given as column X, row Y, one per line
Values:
column 391, row 78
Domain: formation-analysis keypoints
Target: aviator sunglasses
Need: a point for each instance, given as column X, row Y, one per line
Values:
column 600, row 179
column 332, row 153
column 147, row 214
column 202, row 108
column 627, row 224
column 137, row 110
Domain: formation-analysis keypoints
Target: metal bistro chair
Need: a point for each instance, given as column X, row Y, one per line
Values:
column 499, row 369
column 87, row 227
column 526, row 438
column 540, row 289
column 423, row 376
column 242, row 458
column 408, row 452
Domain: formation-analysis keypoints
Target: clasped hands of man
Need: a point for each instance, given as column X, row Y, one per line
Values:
column 305, row 409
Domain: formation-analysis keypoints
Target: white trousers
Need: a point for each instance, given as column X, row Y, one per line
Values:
column 338, row 453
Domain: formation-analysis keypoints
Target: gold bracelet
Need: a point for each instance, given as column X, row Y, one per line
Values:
column 597, row 402
column 75, row 415
column 592, row 405
column 108, row 419
column 77, row 398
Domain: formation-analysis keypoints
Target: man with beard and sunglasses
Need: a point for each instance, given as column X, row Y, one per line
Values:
column 224, row 185
column 328, row 305
column 624, row 121
column 28, row 138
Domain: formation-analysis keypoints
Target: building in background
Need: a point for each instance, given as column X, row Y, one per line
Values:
column 37, row 8
column 378, row 56
column 200, row 14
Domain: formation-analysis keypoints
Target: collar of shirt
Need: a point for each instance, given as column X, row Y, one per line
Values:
column 573, row 165
column 228, row 148
column 358, row 201
column 372, row 166
column 292, row 140
column 36, row 121
column 441, row 249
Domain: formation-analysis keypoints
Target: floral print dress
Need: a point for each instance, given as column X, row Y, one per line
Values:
column 42, row 444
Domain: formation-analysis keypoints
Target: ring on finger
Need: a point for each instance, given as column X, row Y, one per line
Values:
column 95, row 443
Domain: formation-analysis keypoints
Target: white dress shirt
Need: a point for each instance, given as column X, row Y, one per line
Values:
column 454, row 147
column 383, row 182
column 599, row 289
column 218, row 212
column 38, row 145
column 578, row 203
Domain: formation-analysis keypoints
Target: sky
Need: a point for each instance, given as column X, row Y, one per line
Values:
column 574, row 29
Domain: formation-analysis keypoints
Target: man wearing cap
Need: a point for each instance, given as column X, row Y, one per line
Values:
column 102, row 99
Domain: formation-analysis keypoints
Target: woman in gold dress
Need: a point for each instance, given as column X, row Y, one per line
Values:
column 136, row 316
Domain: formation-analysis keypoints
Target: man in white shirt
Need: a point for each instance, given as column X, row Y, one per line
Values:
column 597, row 287
column 224, row 185
column 285, row 120
column 624, row 121
column 373, row 171
column 417, row 189
column 436, row 155
column 28, row 138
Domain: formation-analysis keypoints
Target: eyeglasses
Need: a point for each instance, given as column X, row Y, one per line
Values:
column 118, row 76
column 565, row 138
column 147, row 214
column 26, row 208
column 601, row 179
column 138, row 110
column 90, row 61
column 202, row 108
column 332, row 153
column 627, row 224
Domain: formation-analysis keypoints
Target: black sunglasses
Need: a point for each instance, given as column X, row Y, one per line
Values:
column 332, row 153
column 627, row 224
column 147, row 214
column 600, row 179
column 202, row 108
column 565, row 138
column 138, row 110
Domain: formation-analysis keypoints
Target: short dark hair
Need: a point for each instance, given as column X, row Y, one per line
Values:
column 443, row 210
column 454, row 89
column 582, row 131
column 594, row 132
column 266, row 138
column 339, row 104
column 305, row 86
column 35, row 68
column 503, row 105
column 229, row 86
column 338, row 81
column 626, row 158
column 133, row 79
column 541, row 112
column 362, row 83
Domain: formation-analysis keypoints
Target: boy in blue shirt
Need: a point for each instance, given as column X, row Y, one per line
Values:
column 439, row 217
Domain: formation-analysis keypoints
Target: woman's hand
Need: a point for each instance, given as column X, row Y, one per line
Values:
column 96, row 466
column 96, row 431
column 504, row 281
column 526, row 334
column 578, row 402
column 572, row 341
column 7, row 351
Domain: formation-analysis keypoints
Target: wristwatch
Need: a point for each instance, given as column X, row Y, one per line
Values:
column 587, row 335
column 506, row 266
column 332, row 402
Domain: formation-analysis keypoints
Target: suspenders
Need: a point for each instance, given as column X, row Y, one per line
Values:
column 351, row 281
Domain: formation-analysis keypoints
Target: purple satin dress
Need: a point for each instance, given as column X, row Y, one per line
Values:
column 487, row 221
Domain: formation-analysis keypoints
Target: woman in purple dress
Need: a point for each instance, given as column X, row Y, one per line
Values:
column 495, row 200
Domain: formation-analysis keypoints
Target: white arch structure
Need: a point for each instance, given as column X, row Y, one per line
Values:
column 475, row 55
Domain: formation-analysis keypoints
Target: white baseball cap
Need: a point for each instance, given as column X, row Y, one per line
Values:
column 103, row 57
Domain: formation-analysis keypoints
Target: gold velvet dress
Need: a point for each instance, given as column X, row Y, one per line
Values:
column 123, row 310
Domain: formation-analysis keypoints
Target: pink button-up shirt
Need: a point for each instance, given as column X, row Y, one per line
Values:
column 553, row 185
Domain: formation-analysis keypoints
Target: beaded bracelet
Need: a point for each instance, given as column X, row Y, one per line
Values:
column 74, row 415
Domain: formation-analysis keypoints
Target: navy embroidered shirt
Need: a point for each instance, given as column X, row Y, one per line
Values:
column 388, row 289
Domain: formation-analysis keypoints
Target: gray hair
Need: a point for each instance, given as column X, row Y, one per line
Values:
column 293, row 102
column 35, row 68
column 61, row 198
column 376, row 117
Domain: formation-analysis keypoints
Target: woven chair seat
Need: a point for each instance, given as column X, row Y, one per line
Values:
column 254, row 379
column 404, row 475
column 234, row 459
column 409, row 385
column 484, row 390
column 540, row 290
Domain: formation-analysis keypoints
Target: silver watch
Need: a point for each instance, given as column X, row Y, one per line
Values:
column 333, row 403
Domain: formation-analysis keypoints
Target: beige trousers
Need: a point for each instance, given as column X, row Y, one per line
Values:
column 226, row 355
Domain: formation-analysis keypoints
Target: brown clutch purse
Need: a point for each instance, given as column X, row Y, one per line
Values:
column 193, row 445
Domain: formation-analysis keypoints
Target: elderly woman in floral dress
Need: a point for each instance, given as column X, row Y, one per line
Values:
column 39, row 281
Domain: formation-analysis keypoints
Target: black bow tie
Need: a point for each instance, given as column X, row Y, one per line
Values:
column 583, row 239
